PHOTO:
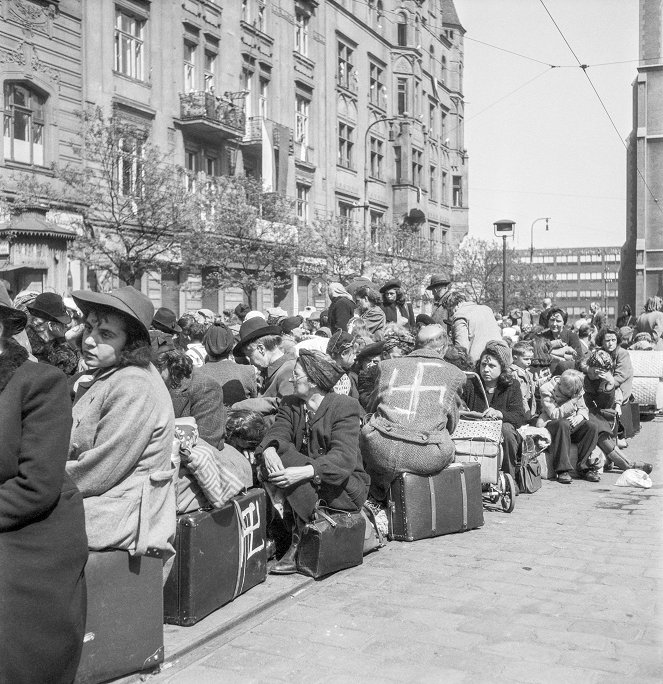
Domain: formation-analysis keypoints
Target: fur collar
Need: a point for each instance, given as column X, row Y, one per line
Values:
column 11, row 359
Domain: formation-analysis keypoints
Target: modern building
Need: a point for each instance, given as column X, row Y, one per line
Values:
column 642, row 262
column 579, row 276
column 353, row 108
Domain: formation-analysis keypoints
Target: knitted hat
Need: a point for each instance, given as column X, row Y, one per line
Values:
column 340, row 341
column 218, row 341
column 501, row 351
column 600, row 359
column 320, row 369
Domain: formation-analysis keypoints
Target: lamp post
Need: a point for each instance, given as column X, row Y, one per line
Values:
column 504, row 229
column 531, row 234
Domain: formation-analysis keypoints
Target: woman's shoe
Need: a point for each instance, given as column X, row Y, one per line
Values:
column 564, row 478
column 647, row 467
column 287, row 565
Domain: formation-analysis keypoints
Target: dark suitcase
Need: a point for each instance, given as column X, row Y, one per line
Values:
column 124, row 626
column 627, row 430
column 220, row 554
column 447, row 502
column 635, row 416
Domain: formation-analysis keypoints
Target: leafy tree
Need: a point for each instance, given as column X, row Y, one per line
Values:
column 134, row 199
column 242, row 236
column 478, row 270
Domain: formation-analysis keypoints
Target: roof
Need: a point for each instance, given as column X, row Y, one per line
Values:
column 449, row 14
column 32, row 223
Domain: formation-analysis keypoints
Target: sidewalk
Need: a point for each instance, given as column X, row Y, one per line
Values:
column 564, row 589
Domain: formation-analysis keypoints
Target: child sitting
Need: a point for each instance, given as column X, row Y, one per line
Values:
column 565, row 415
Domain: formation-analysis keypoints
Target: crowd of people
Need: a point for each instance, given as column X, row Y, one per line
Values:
column 117, row 417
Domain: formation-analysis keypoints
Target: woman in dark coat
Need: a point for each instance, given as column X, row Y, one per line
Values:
column 342, row 307
column 565, row 347
column 43, row 546
column 311, row 452
column 505, row 401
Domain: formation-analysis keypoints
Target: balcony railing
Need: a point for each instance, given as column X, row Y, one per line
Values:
column 199, row 104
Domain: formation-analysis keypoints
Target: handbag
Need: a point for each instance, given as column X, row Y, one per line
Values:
column 528, row 468
column 373, row 537
column 333, row 541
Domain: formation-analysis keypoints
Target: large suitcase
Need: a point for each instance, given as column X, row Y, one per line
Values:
column 449, row 501
column 220, row 554
column 124, row 626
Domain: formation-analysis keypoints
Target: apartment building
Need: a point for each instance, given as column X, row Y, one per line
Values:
column 352, row 107
column 579, row 276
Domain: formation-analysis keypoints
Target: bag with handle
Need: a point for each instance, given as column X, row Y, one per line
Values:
column 373, row 538
column 333, row 541
column 528, row 468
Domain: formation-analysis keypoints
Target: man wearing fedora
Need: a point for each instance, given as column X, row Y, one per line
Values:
column 165, row 321
column 439, row 284
column 46, row 330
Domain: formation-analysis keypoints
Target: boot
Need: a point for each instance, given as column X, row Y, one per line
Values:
column 617, row 458
column 287, row 565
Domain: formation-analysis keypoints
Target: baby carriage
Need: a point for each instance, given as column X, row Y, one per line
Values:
column 479, row 440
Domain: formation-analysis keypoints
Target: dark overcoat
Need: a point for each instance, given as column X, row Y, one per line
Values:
column 332, row 450
column 43, row 546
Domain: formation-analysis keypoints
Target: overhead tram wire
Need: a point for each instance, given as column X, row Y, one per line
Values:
column 584, row 68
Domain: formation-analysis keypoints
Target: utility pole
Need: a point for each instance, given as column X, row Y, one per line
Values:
column 531, row 235
column 504, row 229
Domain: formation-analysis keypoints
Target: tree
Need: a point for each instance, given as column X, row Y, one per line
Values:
column 242, row 236
column 134, row 199
column 478, row 270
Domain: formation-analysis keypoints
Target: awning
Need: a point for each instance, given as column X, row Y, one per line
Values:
column 34, row 223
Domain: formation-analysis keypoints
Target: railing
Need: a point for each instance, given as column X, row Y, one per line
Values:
column 200, row 104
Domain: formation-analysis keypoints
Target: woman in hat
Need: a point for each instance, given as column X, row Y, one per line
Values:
column 394, row 304
column 121, row 443
column 505, row 400
column 43, row 547
column 311, row 452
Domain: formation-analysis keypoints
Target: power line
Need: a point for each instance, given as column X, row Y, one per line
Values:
column 511, row 52
column 600, row 99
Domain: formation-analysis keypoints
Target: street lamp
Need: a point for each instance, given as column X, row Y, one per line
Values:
column 504, row 229
column 531, row 245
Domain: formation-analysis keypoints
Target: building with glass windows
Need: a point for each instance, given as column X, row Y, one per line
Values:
column 354, row 108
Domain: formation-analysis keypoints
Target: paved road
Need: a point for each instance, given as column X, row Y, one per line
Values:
column 565, row 589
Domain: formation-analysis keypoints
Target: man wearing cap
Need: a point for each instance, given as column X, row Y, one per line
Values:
column 439, row 284
column 394, row 304
column 261, row 345
column 48, row 324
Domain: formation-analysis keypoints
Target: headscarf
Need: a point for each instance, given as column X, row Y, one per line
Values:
column 320, row 369
column 600, row 359
column 218, row 341
column 337, row 290
column 398, row 338
column 340, row 341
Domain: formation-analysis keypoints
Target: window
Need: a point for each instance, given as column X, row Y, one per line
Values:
column 345, row 145
column 431, row 118
column 247, row 84
column 262, row 97
column 611, row 257
column 398, row 163
column 402, row 96
column 301, row 32
column 401, row 29
column 548, row 259
column 445, row 188
column 377, row 158
column 212, row 166
column 457, row 191
column 345, row 75
column 432, row 183
column 189, row 67
column 376, row 86
column 443, row 126
column 130, row 166
column 443, row 69
column 129, row 45
column 417, row 166
column 432, row 234
column 260, row 17
column 245, row 10
column 303, row 202
column 302, row 106
column 23, row 127
column 210, row 70
column 377, row 221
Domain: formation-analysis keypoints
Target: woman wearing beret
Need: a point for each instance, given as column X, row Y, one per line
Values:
column 311, row 452
column 43, row 548
column 122, row 439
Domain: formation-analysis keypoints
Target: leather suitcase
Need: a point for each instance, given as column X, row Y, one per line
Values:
column 124, row 626
column 220, row 554
column 449, row 501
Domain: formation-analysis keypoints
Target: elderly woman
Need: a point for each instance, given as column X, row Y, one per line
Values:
column 368, row 307
column 43, row 547
column 505, row 400
column 565, row 347
column 122, row 440
column 603, row 400
column 311, row 453
column 342, row 307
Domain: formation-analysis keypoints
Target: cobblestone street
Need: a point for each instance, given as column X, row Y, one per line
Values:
column 565, row 589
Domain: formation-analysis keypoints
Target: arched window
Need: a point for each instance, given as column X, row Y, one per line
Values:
column 401, row 29
column 23, row 128
column 379, row 24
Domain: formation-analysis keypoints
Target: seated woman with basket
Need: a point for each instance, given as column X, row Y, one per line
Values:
column 502, row 400
column 311, row 452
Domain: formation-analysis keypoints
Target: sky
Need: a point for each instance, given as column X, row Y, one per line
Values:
column 548, row 149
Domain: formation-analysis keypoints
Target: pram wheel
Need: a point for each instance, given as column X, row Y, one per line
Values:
column 508, row 491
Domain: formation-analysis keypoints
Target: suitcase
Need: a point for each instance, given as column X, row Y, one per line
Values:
column 220, row 554
column 449, row 501
column 124, row 626
column 635, row 415
column 626, row 421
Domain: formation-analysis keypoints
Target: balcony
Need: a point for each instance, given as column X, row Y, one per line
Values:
column 207, row 115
